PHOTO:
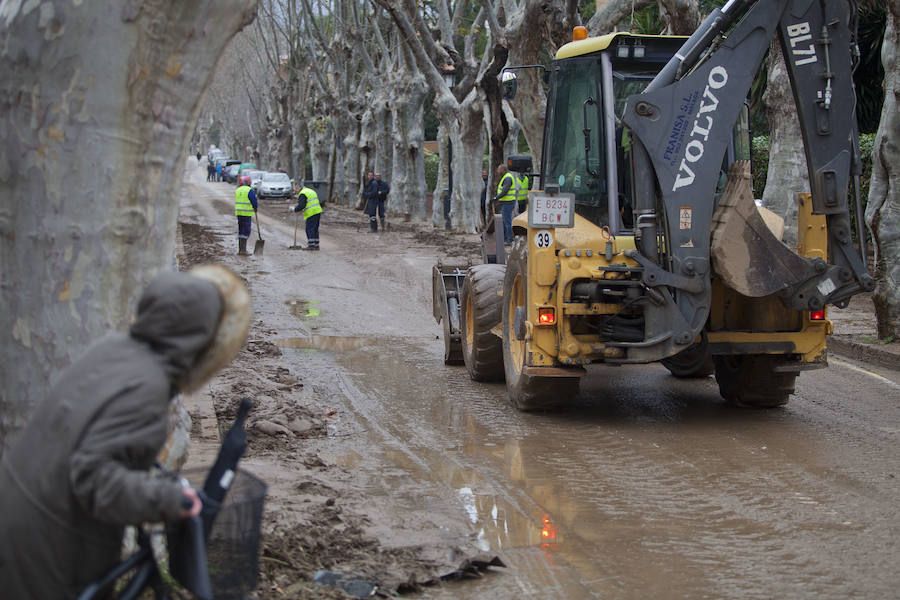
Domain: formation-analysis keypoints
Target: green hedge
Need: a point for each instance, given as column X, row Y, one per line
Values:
column 759, row 162
column 760, row 159
column 432, row 162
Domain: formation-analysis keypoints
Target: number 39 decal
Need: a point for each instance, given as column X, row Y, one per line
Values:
column 543, row 239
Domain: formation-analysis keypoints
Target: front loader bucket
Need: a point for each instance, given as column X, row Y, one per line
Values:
column 744, row 252
column 446, row 290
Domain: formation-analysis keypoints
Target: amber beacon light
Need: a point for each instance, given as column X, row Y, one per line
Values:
column 579, row 33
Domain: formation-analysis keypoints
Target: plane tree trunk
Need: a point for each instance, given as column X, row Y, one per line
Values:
column 883, row 208
column 787, row 174
column 682, row 17
column 407, row 197
column 277, row 150
column 517, row 34
column 320, row 141
column 429, row 57
column 98, row 102
column 612, row 13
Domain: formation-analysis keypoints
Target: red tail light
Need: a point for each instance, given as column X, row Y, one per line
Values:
column 548, row 529
column 546, row 316
column 817, row 315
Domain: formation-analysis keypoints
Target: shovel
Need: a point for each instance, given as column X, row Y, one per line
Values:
column 260, row 243
column 295, row 246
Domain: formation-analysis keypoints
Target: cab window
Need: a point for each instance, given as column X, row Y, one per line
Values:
column 575, row 107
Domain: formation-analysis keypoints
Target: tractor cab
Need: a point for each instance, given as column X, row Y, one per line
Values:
column 587, row 149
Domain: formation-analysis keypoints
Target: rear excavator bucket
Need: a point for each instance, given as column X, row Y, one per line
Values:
column 745, row 253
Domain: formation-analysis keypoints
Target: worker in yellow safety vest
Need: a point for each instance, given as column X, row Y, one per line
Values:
column 510, row 192
column 308, row 202
column 245, row 208
column 521, row 187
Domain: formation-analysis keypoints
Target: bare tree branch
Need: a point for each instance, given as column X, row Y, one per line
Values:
column 614, row 12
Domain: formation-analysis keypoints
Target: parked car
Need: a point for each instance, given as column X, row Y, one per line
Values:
column 255, row 176
column 275, row 185
column 231, row 171
column 221, row 160
column 244, row 167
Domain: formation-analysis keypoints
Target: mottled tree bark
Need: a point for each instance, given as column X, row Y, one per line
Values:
column 497, row 117
column 351, row 163
column 612, row 13
column 277, row 149
column 443, row 177
column 555, row 22
column 428, row 56
column 366, row 145
column 883, row 209
column 787, row 175
column 321, row 139
column 384, row 154
column 469, row 145
column 407, row 196
column 512, row 139
column 299, row 144
column 98, row 102
column 682, row 16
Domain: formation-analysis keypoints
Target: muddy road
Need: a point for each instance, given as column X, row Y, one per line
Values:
column 386, row 465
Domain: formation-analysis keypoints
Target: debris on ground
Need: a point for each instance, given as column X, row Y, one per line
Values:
column 315, row 539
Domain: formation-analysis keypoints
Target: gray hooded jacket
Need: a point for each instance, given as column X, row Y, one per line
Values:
column 79, row 472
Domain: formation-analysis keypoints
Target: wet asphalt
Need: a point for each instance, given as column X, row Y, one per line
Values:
column 646, row 486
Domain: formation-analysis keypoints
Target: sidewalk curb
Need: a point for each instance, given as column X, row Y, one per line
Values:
column 869, row 353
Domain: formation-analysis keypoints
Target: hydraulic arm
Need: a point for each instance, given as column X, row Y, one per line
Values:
column 682, row 124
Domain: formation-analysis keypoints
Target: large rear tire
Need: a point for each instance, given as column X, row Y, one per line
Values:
column 482, row 351
column 755, row 380
column 526, row 392
column 693, row 361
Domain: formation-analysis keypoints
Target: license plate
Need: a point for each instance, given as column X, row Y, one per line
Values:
column 545, row 210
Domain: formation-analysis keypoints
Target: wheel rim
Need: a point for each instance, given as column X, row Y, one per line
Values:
column 516, row 347
column 470, row 323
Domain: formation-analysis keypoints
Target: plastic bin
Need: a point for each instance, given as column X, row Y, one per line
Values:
column 321, row 188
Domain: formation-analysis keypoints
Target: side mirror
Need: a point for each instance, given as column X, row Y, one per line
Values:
column 509, row 83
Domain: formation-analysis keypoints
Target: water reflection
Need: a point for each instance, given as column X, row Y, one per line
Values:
column 304, row 309
column 647, row 486
column 499, row 521
column 335, row 343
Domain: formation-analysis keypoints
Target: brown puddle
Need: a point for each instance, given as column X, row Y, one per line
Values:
column 634, row 491
column 333, row 343
column 304, row 309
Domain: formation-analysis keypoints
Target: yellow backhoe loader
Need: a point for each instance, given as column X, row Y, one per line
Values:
column 642, row 241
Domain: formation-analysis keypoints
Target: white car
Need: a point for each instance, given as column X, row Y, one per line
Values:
column 255, row 177
column 275, row 185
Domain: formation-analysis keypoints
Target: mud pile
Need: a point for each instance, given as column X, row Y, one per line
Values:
column 314, row 519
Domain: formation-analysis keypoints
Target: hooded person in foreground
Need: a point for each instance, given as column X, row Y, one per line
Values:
column 79, row 473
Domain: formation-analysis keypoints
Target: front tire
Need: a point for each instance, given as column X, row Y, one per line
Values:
column 482, row 351
column 755, row 380
column 526, row 392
